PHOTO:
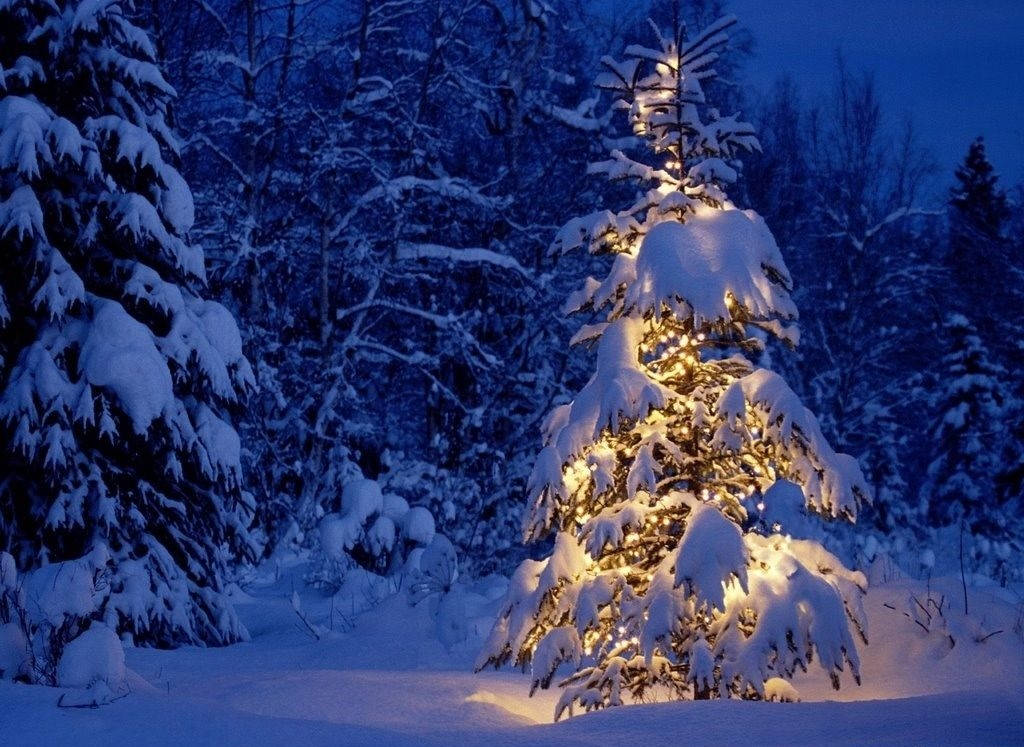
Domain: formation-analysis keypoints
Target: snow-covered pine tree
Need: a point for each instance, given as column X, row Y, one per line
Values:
column 970, row 406
column 979, row 257
column 655, row 581
column 116, row 377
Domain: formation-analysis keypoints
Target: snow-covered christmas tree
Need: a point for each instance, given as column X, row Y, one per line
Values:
column 659, row 583
column 116, row 378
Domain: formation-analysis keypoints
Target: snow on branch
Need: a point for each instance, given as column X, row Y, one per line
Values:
column 473, row 255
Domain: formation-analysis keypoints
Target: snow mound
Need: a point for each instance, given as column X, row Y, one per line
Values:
column 94, row 656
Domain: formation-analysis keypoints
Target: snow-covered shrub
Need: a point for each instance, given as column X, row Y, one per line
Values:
column 51, row 624
column 374, row 531
column 433, row 573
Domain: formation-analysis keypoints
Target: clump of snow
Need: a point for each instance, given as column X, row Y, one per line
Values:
column 176, row 201
column 418, row 525
column 395, row 507
column 434, row 572
column 221, row 447
column 440, row 562
column 120, row 355
column 691, row 268
column 49, row 627
column 381, row 536
column 362, row 498
column 780, row 690
column 710, row 553
column 334, row 535
column 784, row 511
column 69, row 589
column 94, row 656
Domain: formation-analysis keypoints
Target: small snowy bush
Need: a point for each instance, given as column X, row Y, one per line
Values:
column 376, row 532
column 433, row 572
column 51, row 628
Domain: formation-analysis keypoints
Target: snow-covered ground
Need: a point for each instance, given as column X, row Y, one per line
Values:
column 383, row 678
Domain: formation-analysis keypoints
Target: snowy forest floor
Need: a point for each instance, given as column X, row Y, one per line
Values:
column 387, row 680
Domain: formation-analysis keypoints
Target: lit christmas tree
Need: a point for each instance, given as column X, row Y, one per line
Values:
column 658, row 583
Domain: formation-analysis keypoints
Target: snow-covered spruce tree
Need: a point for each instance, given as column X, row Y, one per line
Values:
column 979, row 255
column 116, row 378
column 970, row 406
column 656, row 585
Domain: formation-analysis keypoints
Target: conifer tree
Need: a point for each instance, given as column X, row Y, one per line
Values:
column 969, row 438
column 980, row 203
column 978, row 251
column 116, row 378
column 658, row 579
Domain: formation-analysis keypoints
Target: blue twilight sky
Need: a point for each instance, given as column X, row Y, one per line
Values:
column 956, row 67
